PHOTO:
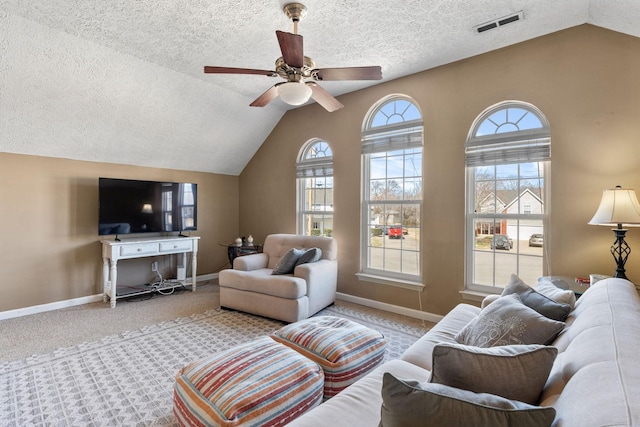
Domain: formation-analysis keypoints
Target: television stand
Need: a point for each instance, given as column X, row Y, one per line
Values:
column 114, row 251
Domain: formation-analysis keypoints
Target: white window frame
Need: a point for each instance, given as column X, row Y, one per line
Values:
column 389, row 138
column 530, row 145
column 310, row 167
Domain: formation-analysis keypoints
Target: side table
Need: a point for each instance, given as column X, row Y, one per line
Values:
column 577, row 285
column 234, row 251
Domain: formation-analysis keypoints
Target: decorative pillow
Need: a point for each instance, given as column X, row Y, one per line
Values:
column 309, row 256
column 539, row 302
column 517, row 372
column 566, row 296
column 287, row 263
column 408, row 404
column 508, row 321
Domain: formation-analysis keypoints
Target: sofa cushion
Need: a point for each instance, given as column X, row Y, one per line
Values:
column 410, row 403
column 539, row 302
column 287, row 263
column 517, row 372
column 508, row 321
column 309, row 256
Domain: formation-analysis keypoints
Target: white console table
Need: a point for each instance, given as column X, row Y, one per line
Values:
column 113, row 251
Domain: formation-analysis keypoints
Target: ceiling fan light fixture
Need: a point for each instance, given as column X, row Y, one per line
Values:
column 294, row 93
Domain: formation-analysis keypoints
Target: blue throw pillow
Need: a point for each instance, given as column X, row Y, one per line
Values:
column 287, row 263
column 309, row 256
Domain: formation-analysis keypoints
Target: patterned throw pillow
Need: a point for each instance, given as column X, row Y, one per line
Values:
column 508, row 321
column 409, row 403
column 539, row 302
column 517, row 372
column 287, row 263
column 309, row 256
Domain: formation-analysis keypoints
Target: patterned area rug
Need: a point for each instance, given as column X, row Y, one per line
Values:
column 127, row 379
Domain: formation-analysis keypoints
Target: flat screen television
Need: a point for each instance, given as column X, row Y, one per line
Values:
column 130, row 206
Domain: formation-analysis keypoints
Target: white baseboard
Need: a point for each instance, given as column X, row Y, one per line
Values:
column 19, row 312
column 422, row 315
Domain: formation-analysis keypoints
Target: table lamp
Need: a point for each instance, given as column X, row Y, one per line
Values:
column 619, row 206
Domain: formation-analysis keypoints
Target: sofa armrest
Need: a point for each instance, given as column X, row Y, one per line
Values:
column 251, row 262
column 420, row 353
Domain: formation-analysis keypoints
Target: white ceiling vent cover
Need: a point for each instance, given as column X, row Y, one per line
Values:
column 518, row 16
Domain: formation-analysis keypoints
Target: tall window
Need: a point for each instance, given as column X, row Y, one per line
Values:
column 314, row 171
column 507, row 155
column 392, row 191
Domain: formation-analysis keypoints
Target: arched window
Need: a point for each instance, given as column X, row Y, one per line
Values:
column 507, row 154
column 314, row 172
column 392, row 193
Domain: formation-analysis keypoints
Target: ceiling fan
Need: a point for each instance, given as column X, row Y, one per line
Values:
column 299, row 71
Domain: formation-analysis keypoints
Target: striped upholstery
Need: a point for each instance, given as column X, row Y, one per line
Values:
column 346, row 350
column 260, row 383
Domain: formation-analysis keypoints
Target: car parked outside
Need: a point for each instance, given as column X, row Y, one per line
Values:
column 395, row 232
column 502, row 241
column 536, row 240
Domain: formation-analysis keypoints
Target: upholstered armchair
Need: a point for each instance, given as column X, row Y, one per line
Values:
column 251, row 287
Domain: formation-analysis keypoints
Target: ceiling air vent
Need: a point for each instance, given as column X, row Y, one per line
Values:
column 518, row 16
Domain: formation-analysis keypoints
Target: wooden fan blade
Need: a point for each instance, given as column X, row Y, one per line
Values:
column 324, row 98
column 349, row 73
column 232, row 70
column 291, row 48
column 267, row 97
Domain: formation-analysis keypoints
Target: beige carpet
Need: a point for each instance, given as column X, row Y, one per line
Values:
column 39, row 333
column 127, row 378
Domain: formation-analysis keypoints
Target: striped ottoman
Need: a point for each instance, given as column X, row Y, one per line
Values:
column 345, row 350
column 260, row 383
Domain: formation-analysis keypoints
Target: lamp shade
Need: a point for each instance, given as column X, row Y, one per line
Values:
column 294, row 93
column 618, row 206
column 147, row 208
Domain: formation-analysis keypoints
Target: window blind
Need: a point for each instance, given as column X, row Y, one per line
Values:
column 397, row 139
column 506, row 152
column 318, row 167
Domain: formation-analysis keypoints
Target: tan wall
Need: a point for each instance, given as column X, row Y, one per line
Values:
column 50, row 248
column 585, row 80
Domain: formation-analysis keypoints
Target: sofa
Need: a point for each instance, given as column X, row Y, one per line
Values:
column 309, row 287
column 594, row 380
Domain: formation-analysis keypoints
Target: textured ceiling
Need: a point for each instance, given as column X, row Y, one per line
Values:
column 171, row 41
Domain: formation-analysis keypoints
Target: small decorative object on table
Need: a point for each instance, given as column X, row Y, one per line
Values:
column 239, row 241
column 250, row 240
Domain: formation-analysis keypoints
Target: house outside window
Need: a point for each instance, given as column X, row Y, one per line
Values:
column 392, row 193
column 314, row 172
column 507, row 158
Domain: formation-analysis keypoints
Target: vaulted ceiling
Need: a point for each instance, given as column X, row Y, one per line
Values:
column 128, row 74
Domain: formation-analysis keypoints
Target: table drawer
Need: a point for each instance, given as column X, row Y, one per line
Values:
column 176, row 246
column 139, row 249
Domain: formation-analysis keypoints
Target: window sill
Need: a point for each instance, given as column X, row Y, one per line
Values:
column 398, row 283
column 475, row 296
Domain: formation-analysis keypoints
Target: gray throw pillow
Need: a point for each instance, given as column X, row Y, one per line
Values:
column 309, row 256
column 508, row 321
column 539, row 302
column 516, row 372
column 411, row 404
column 550, row 290
column 287, row 263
